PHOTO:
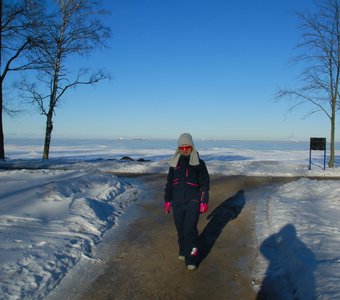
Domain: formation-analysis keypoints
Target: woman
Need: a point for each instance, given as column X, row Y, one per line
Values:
column 187, row 191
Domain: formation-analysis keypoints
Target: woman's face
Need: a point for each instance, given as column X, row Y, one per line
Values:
column 185, row 149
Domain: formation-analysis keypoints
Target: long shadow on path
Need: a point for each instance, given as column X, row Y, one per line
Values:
column 219, row 218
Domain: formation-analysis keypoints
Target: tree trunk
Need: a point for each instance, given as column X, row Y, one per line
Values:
column 48, row 133
column 331, row 158
column 2, row 145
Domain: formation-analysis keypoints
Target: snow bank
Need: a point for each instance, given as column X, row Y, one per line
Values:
column 49, row 221
column 298, row 234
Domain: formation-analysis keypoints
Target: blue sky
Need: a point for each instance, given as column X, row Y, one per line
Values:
column 210, row 68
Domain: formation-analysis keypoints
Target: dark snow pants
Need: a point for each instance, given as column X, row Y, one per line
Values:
column 186, row 217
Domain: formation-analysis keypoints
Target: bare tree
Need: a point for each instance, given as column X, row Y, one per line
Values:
column 74, row 29
column 18, row 22
column 320, row 45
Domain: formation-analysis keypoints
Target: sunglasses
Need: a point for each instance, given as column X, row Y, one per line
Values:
column 185, row 148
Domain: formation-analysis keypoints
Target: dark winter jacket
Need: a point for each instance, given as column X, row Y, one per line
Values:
column 187, row 183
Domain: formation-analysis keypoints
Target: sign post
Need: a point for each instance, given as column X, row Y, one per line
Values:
column 317, row 144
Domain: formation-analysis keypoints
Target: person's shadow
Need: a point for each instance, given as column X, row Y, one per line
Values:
column 219, row 218
column 290, row 274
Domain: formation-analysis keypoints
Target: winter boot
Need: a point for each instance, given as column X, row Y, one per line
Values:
column 192, row 267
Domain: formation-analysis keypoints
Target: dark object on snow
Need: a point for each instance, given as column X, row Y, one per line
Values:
column 142, row 160
column 127, row 158
column 317, row 144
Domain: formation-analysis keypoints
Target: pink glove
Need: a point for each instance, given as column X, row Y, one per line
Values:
column 203, row 208
column 167, row 207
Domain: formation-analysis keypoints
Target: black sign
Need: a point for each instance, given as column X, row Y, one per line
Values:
column 317, row 143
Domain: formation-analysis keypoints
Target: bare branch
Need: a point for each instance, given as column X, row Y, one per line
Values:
column 93, row 79
column 303, row 98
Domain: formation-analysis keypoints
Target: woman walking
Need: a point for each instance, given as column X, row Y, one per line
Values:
column 187, row 192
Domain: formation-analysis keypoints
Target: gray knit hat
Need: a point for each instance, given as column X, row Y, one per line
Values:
column 185, row 139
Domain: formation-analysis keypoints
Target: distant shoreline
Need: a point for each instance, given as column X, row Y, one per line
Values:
column 115, row 138
column 161, row 144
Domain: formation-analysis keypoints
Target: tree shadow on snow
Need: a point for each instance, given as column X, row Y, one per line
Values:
column 291, row 267
column 219, row 218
